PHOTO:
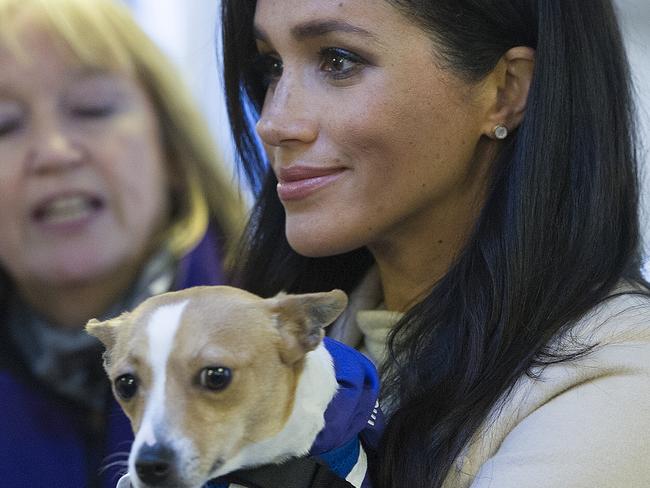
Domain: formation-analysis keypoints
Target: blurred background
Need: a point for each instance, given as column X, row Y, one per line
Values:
column 187, row 31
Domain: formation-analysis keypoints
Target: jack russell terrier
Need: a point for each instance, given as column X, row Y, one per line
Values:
column 216, row 380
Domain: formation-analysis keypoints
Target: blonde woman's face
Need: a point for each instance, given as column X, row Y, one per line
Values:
column 83, row 185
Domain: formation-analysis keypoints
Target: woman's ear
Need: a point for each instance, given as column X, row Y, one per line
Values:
column 509, row 87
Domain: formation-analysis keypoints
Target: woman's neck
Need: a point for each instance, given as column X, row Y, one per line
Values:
column 406, row 277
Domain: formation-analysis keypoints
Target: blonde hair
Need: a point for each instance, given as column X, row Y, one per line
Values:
column 102, row 34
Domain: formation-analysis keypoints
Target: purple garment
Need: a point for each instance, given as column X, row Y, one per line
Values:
column 202, row 266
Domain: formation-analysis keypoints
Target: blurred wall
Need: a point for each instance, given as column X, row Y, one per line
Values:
column 635, row 18
column 187, row 31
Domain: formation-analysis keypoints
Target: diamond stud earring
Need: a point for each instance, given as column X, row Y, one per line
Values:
column 500, row 132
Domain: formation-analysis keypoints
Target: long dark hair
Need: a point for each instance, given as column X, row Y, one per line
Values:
column 558, row 230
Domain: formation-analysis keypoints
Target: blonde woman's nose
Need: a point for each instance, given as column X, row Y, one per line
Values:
column 54, row 150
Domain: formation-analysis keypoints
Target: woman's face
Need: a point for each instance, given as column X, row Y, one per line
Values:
column 82, row 172
column 372, row 142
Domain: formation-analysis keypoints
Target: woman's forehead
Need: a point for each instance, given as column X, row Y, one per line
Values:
column 298, row 15
column 373, row 21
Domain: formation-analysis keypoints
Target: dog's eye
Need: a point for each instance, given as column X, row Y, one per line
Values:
column 126, row 386
column 215, row 377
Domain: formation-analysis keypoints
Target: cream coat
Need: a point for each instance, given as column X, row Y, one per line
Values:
column 582, row 424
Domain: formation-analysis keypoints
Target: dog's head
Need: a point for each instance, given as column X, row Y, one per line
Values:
column 205, row 372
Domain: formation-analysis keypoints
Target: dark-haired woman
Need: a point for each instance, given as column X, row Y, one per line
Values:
column 466, row 170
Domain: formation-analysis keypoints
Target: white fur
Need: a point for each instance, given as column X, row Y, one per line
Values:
column 316, row 388
column 161, row 330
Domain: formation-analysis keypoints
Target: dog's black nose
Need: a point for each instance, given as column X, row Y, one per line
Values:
column 154, row 464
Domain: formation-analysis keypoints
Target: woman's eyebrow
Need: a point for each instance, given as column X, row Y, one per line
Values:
column 317, row 28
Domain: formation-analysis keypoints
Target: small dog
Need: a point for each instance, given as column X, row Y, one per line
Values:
column 215, row 379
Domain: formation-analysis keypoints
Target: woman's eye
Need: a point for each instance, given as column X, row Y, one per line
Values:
column 93, row 111
column 8, row 126
column 340, row 63
column 268, row 67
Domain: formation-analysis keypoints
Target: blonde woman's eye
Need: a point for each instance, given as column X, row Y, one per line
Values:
column 93, row 111
column 9, row 126
column 340, row 63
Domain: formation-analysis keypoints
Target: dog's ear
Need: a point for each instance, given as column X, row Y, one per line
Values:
column 106, row 331
column 300, row 320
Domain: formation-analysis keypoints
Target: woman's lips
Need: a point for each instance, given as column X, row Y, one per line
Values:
column 67, row 212
column 298, row 182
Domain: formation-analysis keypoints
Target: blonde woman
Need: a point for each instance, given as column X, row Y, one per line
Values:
column 110, row 191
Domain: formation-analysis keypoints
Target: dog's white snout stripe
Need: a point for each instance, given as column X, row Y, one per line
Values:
column 161, row 330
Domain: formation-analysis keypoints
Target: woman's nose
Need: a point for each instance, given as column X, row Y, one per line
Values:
column 53, row 149
column 286, row 116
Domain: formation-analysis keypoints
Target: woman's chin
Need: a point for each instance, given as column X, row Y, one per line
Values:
column 82, row 269
column 319, row 245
